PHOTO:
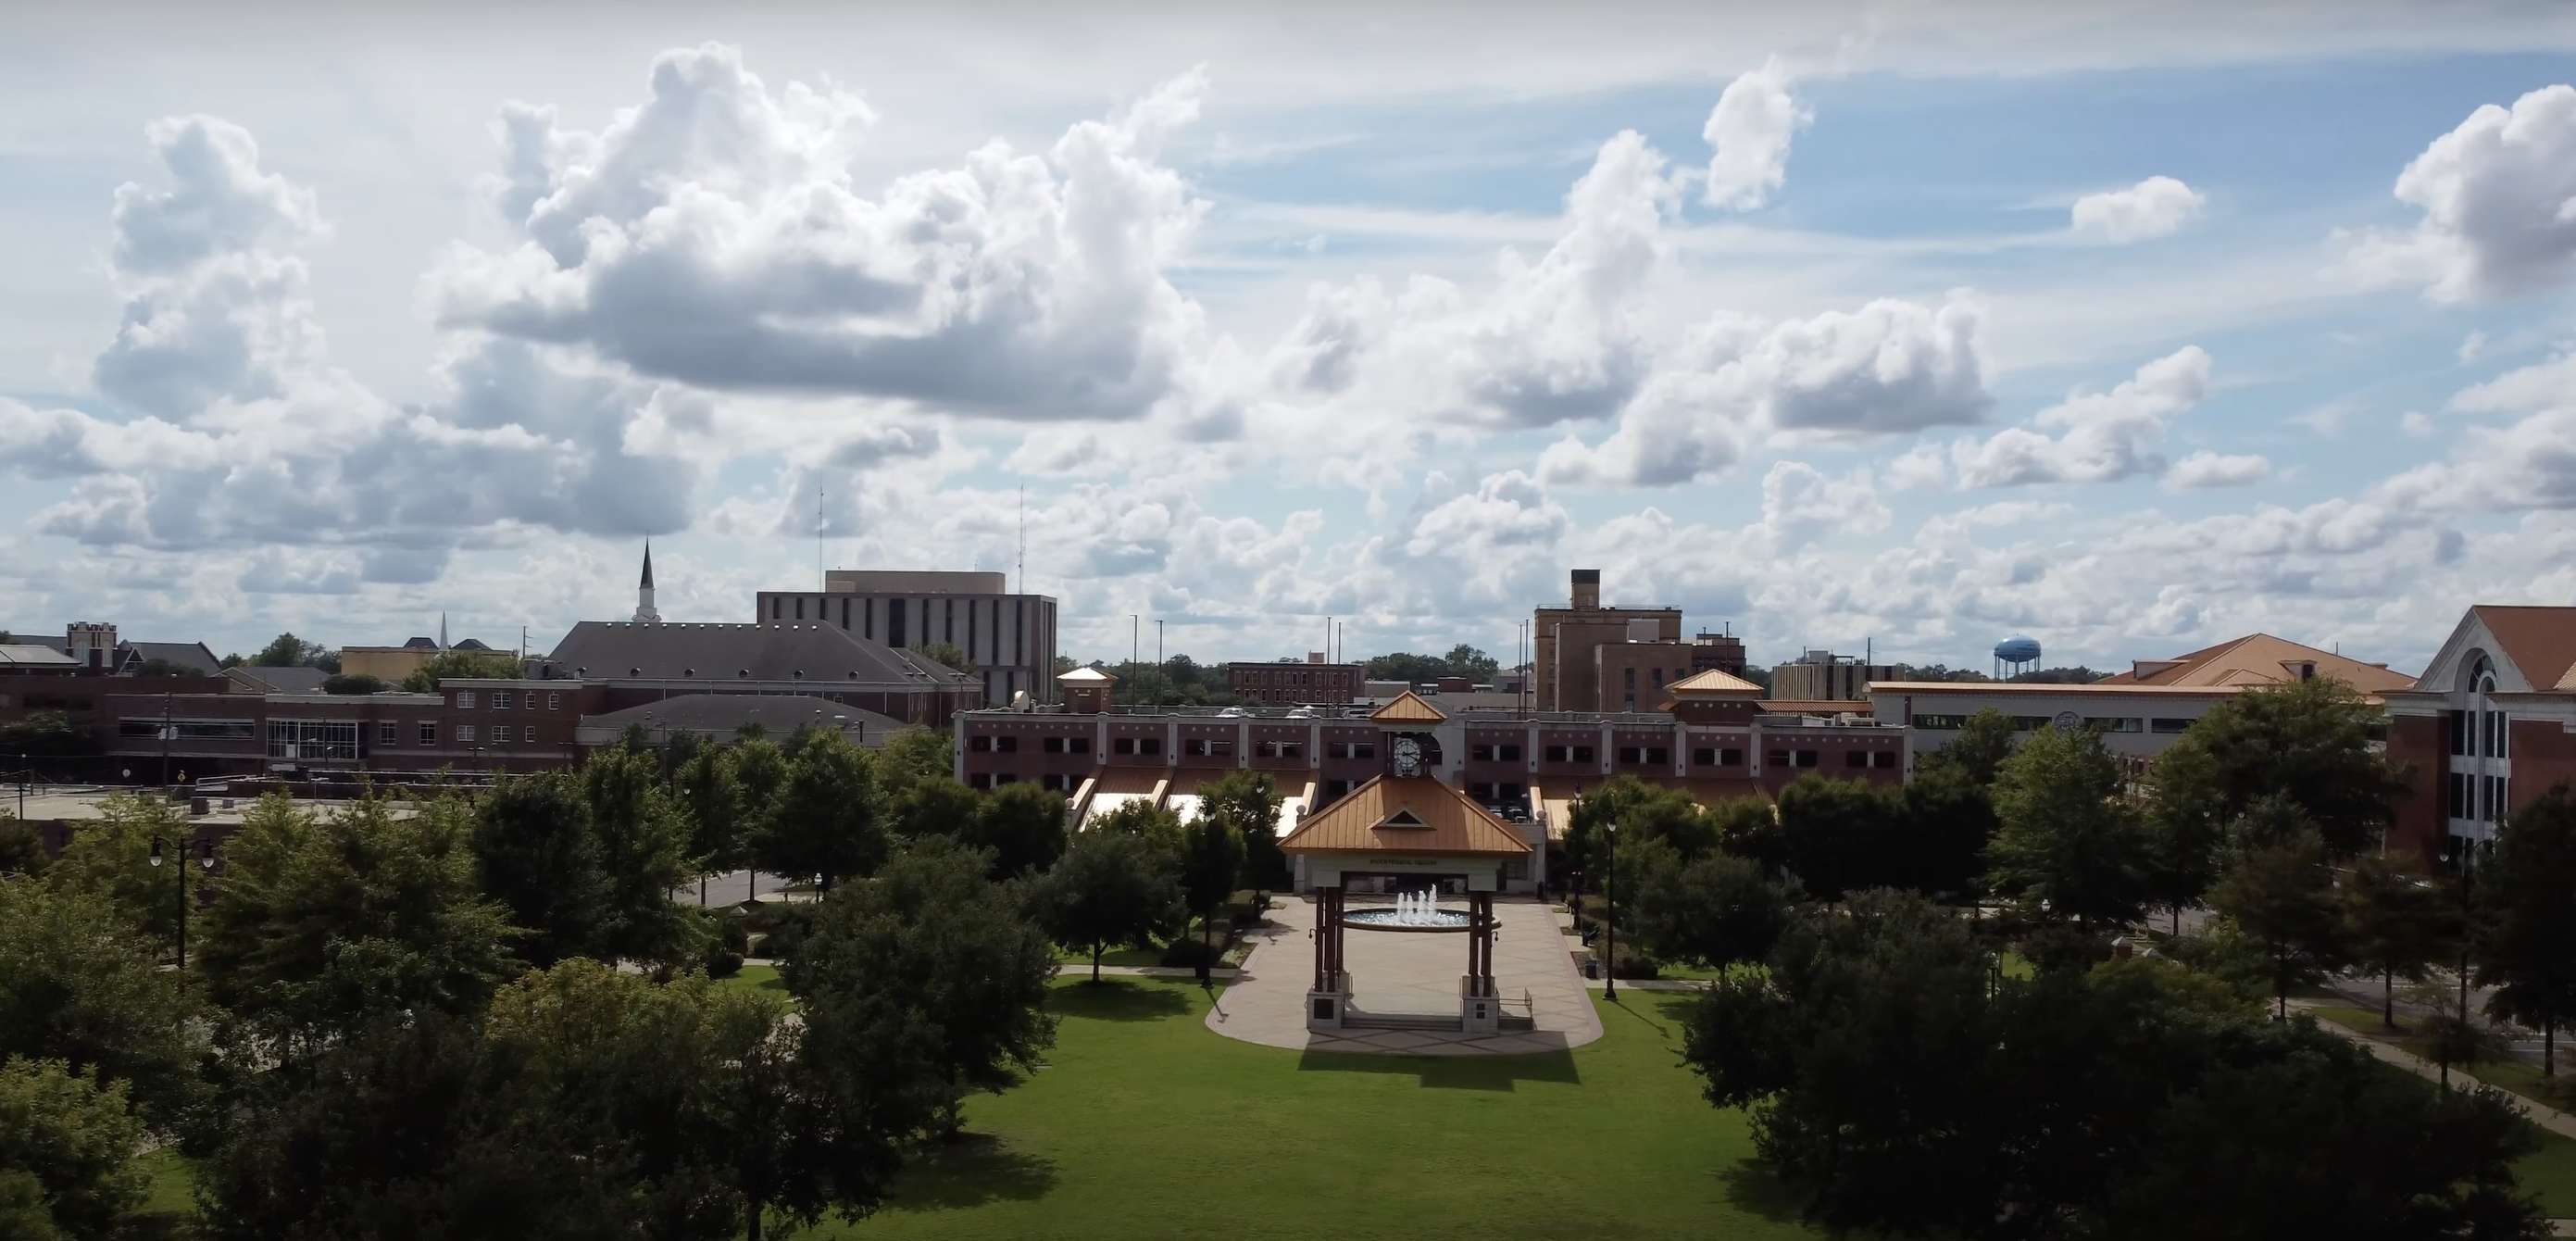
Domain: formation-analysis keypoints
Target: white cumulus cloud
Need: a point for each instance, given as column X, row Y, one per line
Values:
column 1751, row 128
column 2155, row 207
column 712, row 235
column 2104, row 436
column 2499, row 200
column 2206, row 470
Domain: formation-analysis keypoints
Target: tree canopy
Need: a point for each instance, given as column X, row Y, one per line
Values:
column 2067, row 845
column 464, row 665
column 1111, row 887
column 2307, row 741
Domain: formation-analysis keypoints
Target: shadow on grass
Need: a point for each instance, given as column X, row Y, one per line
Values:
column 972, row 1170
column 1752, row 1187
column 1117, row 999
column 1451, row 1072
column 1663, row 1012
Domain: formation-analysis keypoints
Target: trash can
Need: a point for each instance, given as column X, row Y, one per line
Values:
column 1592, row 967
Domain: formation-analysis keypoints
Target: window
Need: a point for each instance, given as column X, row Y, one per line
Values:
column 1884, row 760
column 1052, row 745
column 1006, row 745
column 2032, row 723
column 465, row 700
column 1149, row 745
column 2460, row 798
column 190, row 730
column 1350, row 749
column 1054, row 783
column 1703, row 758
column 1207, row 747
column 313, row 739
column 1583, row 754
column 428, row 733
column 1480, row 754
column 2161, row 725
column 1657, row 755
column 1508, row 753
column 1856, row 758
column 979, row 744
column 1647, row 755
column 1005, row 778
column 1802, row 758
column 2115, row 723
column 1630, row 756
column 464, row 734
column 1777, row 758
column 388, row 733
column 1730, row 758
column 1278, row 749
column 979, row 780
column 1481, row 792
column 1941, row 723
column 1122, row 745
column 500, row 700
column 500, row 734
column 2459, row 733
column 1081, row 745
column 554, row 702
column 1632, row 679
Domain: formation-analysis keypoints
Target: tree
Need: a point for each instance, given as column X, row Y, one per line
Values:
column 353, row 683
column 1949, row 819
column 911, row 756
column 288, row 651
column 709, row 800
column 78, row 984
column 1902, row 1088
column 1716, row 911
column 535, row 855
column 67, row 1154
column 1022, row 826
column 1840, row 835
column 674, row 1091
column 2281, row 893
column 946, row 653
column 939, row 806
column 1111, row 887
column 47, row 734
column 1471, row 663
column 2527, row 950
column 2308, row 741
column 1250, row 801
column 1211, row 860
column 1643, row 812
column 322, row 923
column 462, row 665
column 112, row 859
column 760, row 771
column 824, row 822
column 2396, row 922
column 933, row 947
column 1978, row 751
column 642, row 845
column 1158, row 826
column 22, row 847
column 2066, row 845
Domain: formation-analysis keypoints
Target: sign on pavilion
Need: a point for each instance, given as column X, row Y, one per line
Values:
column 1405, row 825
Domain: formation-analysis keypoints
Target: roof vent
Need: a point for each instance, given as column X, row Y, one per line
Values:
column 1403, row 818
column 742, row 672
column 800, row 674
column 688, row 672
column 635, row 672
column 854, row 674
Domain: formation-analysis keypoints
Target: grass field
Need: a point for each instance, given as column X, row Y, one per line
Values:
column 1150, row 1126
column 2550, row 1174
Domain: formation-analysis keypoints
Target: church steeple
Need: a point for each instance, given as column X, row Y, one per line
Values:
column 644, row 613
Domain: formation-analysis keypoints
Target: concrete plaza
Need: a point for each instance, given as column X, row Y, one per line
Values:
column 1395, row 973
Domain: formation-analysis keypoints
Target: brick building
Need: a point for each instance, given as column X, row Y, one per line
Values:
column 2490, row 725
column 1010, row 637
column 1564, row 642
column 1289, row 683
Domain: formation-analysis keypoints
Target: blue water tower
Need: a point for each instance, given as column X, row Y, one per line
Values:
column 2016, row 655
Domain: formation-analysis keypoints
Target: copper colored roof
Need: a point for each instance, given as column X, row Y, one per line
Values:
column 2541, row 642
column 1816, row 706
column 2261, row 659
column 1408, row 708
column 1084, row 676
column 1421, row 815
column 1713, row 681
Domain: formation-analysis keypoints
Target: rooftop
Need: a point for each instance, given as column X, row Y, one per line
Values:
column 2261, row 659
column 622, row 650
column 1388, row 815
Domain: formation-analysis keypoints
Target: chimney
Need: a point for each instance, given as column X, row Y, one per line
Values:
column 92, row 643
column 1587, row 590
column 1314, row 657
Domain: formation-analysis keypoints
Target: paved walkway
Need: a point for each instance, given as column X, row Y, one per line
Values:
column 1406, row 973
column 2546, row 1117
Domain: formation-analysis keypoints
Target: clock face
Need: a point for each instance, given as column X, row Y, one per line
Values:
column 1408, row 757
column 2068, row 721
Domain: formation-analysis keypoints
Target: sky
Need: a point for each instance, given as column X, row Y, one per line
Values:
column 1898, row 327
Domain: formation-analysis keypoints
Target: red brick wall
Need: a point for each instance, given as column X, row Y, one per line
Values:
column 2420, row 747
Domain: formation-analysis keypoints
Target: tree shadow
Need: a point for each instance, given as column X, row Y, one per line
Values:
column 1667, row 1014
column 1497, row 1073
column 1753, row 1187
column 971, row 1170
column 1117, row 999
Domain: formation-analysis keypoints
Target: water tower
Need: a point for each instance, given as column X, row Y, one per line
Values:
column 2016, row 655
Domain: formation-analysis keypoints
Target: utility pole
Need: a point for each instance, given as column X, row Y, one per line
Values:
column 1158, row 641
column 1135, row 652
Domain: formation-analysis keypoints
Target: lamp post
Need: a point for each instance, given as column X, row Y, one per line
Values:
column 206, row 860
column 1610, row 914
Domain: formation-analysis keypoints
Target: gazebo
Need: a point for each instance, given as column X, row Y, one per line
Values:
column 1403, row 824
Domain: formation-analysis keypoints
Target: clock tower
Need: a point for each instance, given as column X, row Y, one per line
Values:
column 1405, row 731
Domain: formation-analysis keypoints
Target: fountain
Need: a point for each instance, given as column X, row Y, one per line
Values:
column 1413, row 911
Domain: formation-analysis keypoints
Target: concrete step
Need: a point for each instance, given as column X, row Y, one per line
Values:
column 1353, row 1019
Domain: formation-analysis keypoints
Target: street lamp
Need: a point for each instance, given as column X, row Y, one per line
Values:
column 1610, row 917
column 206, row 860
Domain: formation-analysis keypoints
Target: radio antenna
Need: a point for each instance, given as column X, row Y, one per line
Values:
column 1024, row 539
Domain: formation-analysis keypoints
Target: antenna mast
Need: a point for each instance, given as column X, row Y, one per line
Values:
column 1024, row 539
column 819, row 580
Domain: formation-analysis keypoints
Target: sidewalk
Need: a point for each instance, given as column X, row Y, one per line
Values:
column 2541, row 1114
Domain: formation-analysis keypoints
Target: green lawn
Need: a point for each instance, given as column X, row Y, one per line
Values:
column 758, row 978
column 1148, row 1125
column 2549, row 1174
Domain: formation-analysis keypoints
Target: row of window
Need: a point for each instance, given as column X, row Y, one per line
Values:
column 1861, row 759
column 318, row 738
column 2033, row 723
column 1493, row 753
column 504, row 700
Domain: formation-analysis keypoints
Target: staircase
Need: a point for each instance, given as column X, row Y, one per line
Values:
column 1353, row 1019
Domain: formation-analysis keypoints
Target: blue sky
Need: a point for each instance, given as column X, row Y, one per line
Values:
column 2131, row 328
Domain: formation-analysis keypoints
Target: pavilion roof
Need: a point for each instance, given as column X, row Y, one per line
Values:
column 1420, row 815
column 1407, row 708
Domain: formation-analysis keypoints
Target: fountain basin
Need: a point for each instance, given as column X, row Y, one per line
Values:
column 1435, row 921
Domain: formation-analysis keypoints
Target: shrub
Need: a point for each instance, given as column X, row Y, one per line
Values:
column 1187, row 953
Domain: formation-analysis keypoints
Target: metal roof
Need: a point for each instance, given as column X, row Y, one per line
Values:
column 814, row 653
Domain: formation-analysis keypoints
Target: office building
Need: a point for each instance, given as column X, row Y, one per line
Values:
column 1009, row 637
column 1822, row 676
column 2490, row 725
column 1564, row 641
column 1288, row 682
